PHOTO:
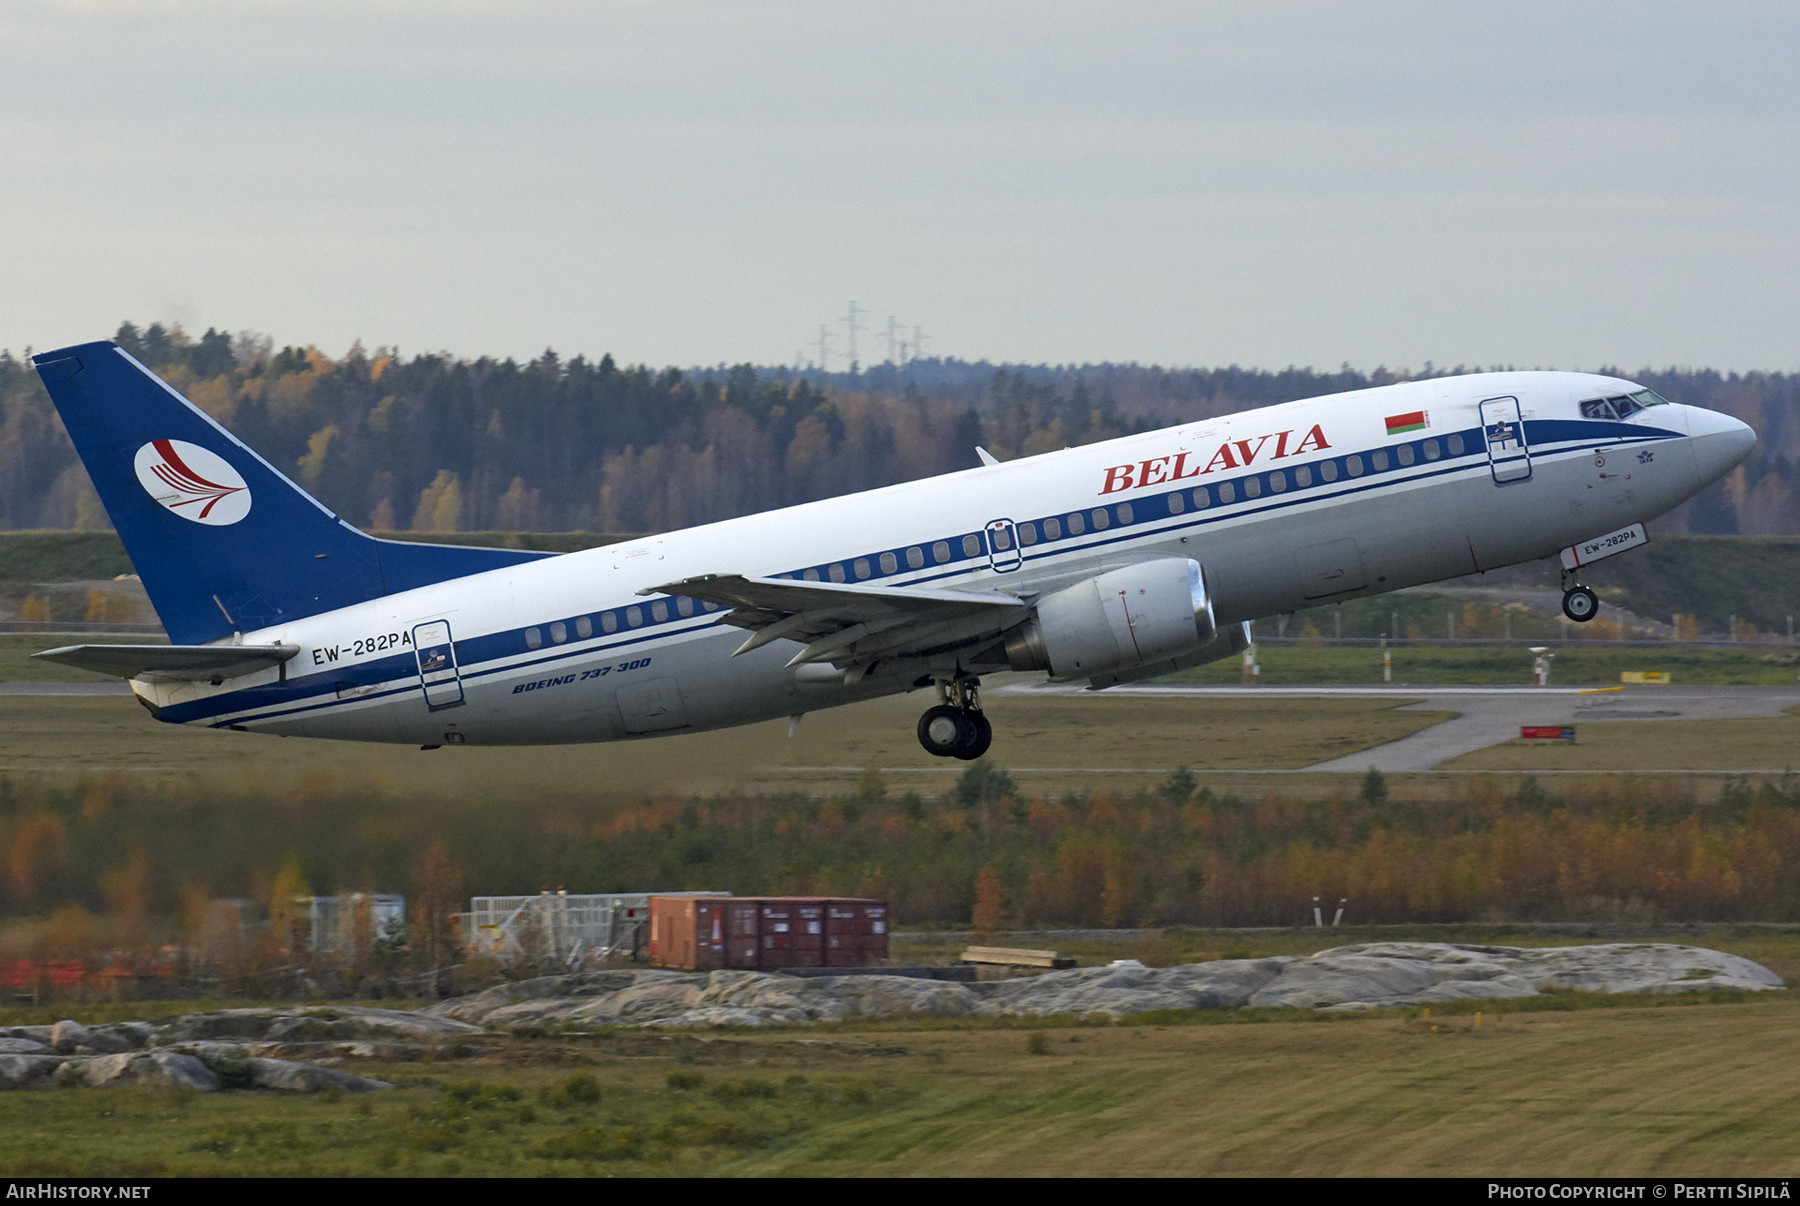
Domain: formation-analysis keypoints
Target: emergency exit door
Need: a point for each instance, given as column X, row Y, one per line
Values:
column 438, row 673
column 1504, row 430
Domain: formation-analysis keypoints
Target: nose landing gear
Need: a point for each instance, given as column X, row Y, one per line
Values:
column 956, row 727
column 1579, row 603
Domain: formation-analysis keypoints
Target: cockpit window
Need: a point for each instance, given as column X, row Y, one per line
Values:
column 1649, row 397
column 1598, row 408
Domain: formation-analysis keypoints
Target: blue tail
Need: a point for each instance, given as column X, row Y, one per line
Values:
column 223, row 542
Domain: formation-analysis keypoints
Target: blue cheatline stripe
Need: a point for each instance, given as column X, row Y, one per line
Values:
column 502, row 652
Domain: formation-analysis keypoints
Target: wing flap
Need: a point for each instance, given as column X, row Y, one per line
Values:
column 836, row 620
column 171, row 663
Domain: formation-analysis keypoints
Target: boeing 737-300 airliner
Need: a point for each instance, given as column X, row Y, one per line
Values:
column 1107, row 564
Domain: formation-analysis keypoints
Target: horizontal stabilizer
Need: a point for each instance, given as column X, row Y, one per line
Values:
column 171, row 663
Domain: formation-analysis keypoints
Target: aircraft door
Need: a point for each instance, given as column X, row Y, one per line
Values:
column 1003, row 546
column 1508, row 456
column 438, row 673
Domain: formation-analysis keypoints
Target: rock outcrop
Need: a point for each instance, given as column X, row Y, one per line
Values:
column 1369, row 976
column 223, row 1049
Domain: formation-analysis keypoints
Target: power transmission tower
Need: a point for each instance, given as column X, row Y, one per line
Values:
column 919, row 338
column 823, row 343
column 853, row 326
column 891, row 341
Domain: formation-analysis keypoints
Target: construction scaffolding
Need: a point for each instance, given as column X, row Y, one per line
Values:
column 557, row 928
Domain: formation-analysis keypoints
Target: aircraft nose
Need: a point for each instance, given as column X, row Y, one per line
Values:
column 1719, row 443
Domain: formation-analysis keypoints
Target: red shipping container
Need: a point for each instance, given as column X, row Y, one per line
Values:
column 843, row 934
column 775, row 927
column 741, row 933
column 874, row 935
column 688, row 932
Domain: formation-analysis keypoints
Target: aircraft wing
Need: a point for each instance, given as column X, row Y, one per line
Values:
column 171, row 663
column 846, row 622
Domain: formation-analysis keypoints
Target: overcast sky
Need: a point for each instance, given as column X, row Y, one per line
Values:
column 1560, row 184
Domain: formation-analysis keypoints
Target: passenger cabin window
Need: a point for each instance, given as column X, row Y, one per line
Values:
column 1053, row 529
column 1102, row 521
column 659, row 611
column 915, row 558
column 559, row 632
column 584, row 627
column 1353, row 465
column 533, row 638
column 971, row 545
column 609, row 622
column 1202, row 499
column 890, row 564
column 1328, row 470
column 837, row 572
column 1278, row 480
column 634, row 616
column 1252, row 488
column 1177, row 504
column 1379, row 459
column 1076, row 525
column 1431, row 450
column 1405, row 453
column 1124, row 512
column 1001, row 537
column 1027, row 534
column 811, row 575
column 1227, row 492
column 940, row 552
column 1456, row 445
column 861, row 567
column 1303, row 476
column 684, row 606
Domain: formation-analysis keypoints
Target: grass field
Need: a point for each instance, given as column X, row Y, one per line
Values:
column 1767, row 743
column 52, row 735
column 1658, row 1087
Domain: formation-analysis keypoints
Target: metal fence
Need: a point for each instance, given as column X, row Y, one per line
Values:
column 557, row 928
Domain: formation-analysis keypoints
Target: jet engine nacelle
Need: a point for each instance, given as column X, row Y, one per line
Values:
column 1150, row 612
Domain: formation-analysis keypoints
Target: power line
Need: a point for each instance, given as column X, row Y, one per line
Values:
column 823, row 343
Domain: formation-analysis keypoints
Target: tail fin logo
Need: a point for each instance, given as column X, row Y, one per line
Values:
column 192, row 482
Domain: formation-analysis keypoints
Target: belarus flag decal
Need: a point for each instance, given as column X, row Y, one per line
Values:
column 1417, row 420
column 192, row 482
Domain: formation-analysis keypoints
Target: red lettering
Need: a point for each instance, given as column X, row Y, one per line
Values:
column 1180, row 463
column 1222, row 459
column 1153, row 467
column 1118, row 478
column 1247, row 452
column 1315, row 440
column 1281, row 444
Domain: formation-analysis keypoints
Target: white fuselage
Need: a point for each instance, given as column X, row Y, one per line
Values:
column 1324, row 504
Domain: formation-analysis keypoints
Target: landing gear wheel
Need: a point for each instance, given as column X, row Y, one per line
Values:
column 981, row 736
column 944, row 731
column 1580, row 604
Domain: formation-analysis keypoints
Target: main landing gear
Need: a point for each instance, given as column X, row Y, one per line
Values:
column 1579, row 603
column 956, row 727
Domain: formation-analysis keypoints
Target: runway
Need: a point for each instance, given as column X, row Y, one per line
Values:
column 1487, row 715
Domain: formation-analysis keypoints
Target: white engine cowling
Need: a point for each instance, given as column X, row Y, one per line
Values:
column 1151, row 612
